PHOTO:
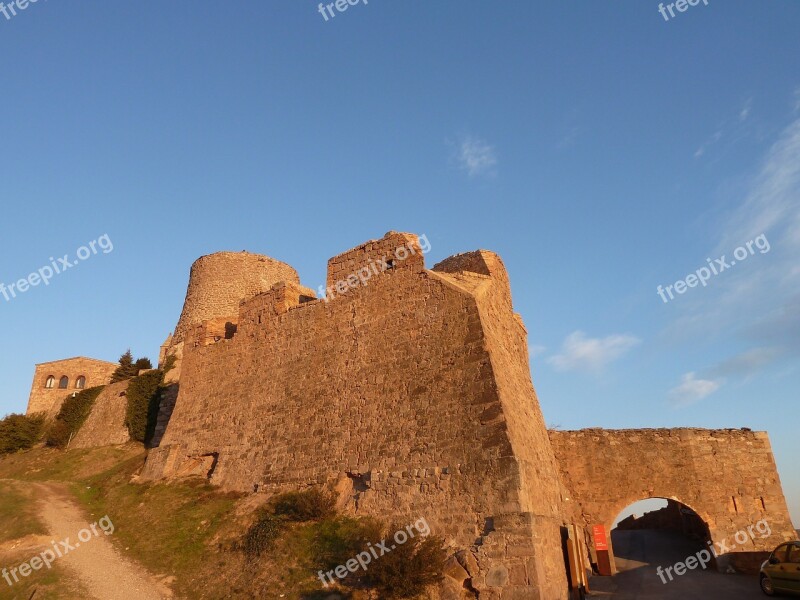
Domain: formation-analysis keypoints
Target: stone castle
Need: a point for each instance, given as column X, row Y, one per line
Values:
column 408, row 391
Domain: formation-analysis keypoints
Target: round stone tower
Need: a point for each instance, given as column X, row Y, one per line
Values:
column 218, row 282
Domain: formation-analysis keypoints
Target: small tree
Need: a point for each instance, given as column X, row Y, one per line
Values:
column 126, row 368
column 143, row 364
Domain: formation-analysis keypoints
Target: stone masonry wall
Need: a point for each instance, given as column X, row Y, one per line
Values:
column 728, row 477
column 49, row 400
column 105, row 425
column 390, row 393
column 518, row 414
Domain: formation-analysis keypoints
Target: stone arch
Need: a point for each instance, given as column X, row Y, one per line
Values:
column 622, row 504
column 727, row 477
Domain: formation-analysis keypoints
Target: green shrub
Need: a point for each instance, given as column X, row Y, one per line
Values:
column 262, row 534
column 70, row 418
column 308, row 505
column 402, row 572
column 142, row 364
column 169, row 364
column 324, row 541
column 20, row 432
column 337, row 540
column 143, row 396
column 58, row 434
column 409, row 568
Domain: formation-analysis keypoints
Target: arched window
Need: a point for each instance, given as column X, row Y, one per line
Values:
column 80, row 382
column 50, row 383
column 63, row 383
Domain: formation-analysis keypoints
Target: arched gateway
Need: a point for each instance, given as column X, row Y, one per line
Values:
column 727, row 477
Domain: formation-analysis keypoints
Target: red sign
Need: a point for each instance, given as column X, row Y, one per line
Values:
column 600, row 539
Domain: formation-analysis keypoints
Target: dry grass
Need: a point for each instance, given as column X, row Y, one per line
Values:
column 188, row 533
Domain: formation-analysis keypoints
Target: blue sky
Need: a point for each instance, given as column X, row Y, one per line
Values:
column 599, row 149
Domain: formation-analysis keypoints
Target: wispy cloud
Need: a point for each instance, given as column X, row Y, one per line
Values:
column 692, row 390
column 581, row 353
column 774, row 197
column 476, row 157
column 535, row 350
column 745, row 112
column 708, row 143
column 759, row 304
column 731, row 128
column 745, row 363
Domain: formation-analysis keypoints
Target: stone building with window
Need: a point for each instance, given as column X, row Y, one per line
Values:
column 54, row 381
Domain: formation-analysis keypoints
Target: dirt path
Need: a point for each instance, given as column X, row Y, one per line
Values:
column 96, row 563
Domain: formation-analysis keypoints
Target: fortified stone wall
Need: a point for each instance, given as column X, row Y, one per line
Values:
column 410, row 394
column 728, row 477
column 49, row 400
column 518, row 413
column 105, row 425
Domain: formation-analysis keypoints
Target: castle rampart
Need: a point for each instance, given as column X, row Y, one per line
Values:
column 397, row 392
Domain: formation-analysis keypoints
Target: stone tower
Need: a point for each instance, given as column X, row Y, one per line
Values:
column 217, row 284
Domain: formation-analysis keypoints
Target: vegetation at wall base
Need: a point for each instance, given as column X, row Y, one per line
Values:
column 404, row 572
column 261, row 535
column 329, row 540
column 70, row 418
column 306, row 505
column 290, row 507
column 20, row 432
column 144, row 396
column 169, row 364
column 407, row 570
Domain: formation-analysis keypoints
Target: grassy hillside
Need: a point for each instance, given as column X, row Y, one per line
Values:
column 17, row 513
column 189, row 534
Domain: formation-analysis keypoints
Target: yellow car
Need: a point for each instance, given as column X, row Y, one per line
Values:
column 781, row 572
